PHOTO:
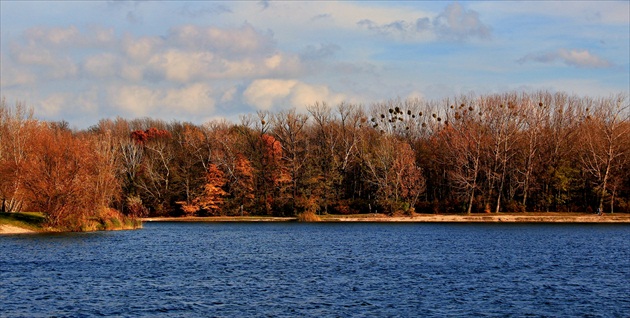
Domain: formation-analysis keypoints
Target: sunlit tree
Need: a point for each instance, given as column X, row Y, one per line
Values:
column 605, row 144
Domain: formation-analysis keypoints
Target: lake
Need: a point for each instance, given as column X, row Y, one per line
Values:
column 320, row 270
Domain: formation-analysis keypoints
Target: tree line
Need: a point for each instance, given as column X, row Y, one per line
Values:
column 509, row 152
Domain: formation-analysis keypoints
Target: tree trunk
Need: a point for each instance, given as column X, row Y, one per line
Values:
column 605, row 182
column 612, row 201
column 470, row 201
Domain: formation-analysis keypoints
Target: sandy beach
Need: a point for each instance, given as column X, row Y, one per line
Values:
column 10, row 229
column 497, row 218
column 551, row 217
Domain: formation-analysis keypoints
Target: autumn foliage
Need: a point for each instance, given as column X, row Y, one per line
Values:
column 211, row 199
column 68, row 176
column 142, row 137
column 469, row 154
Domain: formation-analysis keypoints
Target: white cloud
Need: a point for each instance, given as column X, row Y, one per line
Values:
column 273, row 62
column 348, row 14
column 582, row 58
column 457, row 23
column 44, row 57
column 33, row 55
column 55, row 35
column 228, row 95
column 101, row 65
column 576, row 57
column 53, row 104
column 12, row 76
column 266, row 94
column 64, row 68
column 454, row 23
column 418, row 29
column 186, row 66
column 134, row 100
column 304, row 95
column 191, row 99
column 132, row 72
column 103, row 35
column 263, row 93
column 320, row 52
column 187, row 54
column 312, row 20
column 140, row 48
column 70, row 36
column 232, row 41
column 182, row 66
column 87, row 101
column 146, row 101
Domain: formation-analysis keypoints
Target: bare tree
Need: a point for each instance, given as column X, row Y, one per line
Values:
column 533, row 110
column 503, row 122
column 16, row 132
column 156, row 176
column 604, row 134
column 289, row 128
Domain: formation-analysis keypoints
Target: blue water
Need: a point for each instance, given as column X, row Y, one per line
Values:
column 320, row 270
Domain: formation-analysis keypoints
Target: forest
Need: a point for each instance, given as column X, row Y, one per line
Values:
column 509, row 152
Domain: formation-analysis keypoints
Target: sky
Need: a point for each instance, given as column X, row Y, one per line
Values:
column 196, row 61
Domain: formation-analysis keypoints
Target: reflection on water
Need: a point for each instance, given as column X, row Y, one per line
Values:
column 292, row 269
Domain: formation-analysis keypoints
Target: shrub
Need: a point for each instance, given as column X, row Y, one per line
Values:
column 135, row 208
column 363, row 206
column 341, row 207
column 514, row 206
column 308, row 216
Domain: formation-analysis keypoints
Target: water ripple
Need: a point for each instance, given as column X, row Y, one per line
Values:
column 315, row 270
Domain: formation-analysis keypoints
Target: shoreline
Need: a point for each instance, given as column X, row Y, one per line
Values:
column 528, row 217
column 550, row 217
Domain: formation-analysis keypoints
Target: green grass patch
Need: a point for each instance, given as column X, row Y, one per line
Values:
column 28, row 220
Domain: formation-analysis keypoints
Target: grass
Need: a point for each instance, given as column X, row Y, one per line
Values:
column 35, row 221
column 110, row 220
column 308, row 217
column 354, row 216
column 29, row 220
column 113, row 224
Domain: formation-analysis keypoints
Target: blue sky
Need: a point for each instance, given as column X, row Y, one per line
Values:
column 82, row 61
